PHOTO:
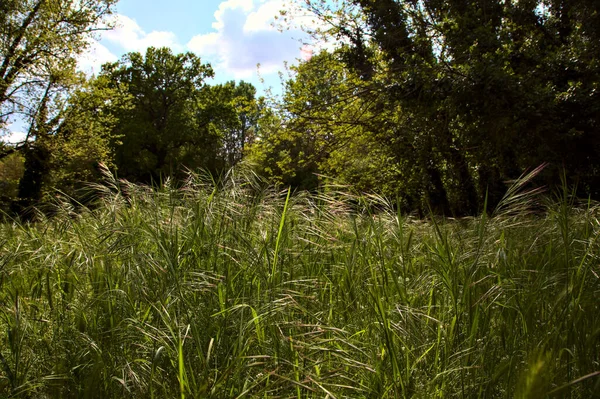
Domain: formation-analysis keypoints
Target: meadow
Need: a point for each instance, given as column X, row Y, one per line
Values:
column 238, row 290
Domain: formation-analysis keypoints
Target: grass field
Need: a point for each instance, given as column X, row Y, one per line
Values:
column 243, row 291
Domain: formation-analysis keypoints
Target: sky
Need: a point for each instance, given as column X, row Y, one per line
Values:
column 232, row 35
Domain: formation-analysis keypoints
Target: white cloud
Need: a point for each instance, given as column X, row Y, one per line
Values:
column 244, row 37
column 243, row 5
column 13, row 136
column 129, row 36
column 263, row 18
column 96, row 55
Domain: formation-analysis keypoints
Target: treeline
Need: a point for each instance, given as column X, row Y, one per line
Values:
column 439, row 103
column 434, row 104
column 149, row 117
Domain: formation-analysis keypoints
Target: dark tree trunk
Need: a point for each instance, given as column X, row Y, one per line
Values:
column 30, row 185
column 467, row 201
column 490, row 184
column 436, row 197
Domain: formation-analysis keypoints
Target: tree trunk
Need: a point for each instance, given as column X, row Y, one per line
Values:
column 31, row 184
column 467, row 201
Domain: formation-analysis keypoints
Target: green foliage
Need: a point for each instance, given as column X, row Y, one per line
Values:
column 42, row 134
column 243, row 291
column 84, row 138
column 318, row 117
column 152, row 117
column 176, row 121
column 11, row 171
column 62, row 153
column 39, row 43
column 233, row 114
column 473, row 94
column 160, row 134
column 39, row 39
column 330, row 123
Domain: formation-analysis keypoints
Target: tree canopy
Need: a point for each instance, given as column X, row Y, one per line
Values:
column 176, row 120
column 434, row 104
column 39, row 40
column 464, row 96
column 159, row 131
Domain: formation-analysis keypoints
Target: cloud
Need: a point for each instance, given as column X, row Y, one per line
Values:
column 262, row 19
column 97, row 54
column 129, row 36
column 244, row 37
column 13, row 136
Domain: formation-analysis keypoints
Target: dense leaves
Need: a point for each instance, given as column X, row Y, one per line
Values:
column 151, row 117
column 434, row 104
column 233, row 113
column 466, row 96
column 160, row 130
column 38, row 40
column 176, row 121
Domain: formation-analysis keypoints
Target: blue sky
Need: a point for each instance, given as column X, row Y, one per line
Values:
column 232, row 35
column 185, row 18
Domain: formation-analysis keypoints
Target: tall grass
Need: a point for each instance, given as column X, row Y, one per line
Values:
column 237, row 290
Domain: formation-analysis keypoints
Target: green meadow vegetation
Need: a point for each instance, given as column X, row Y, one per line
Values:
column 377, row 227
column 240, row 290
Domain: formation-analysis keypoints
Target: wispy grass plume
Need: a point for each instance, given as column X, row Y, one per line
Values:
column 231, row 288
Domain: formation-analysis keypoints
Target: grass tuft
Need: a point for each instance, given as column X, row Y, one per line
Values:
column 233, row 289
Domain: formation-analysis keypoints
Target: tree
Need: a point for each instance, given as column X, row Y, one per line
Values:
column 84, row 137
column 161, row 134
column 487, row 89
column 233, row 113
column 68, row 147
column 39, row 38
column 39, row 42
column 323, row 127
column 331, row 124
column 298, row 140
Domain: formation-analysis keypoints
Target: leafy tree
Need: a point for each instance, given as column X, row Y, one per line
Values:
column 43, row 124
column 85, row 136
column 233, row 114
column 38, row 39
column 302, row 133
column 68, row 147
column 485, row 89
column 324, row 127
column 160, row 134
column 331, row 123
